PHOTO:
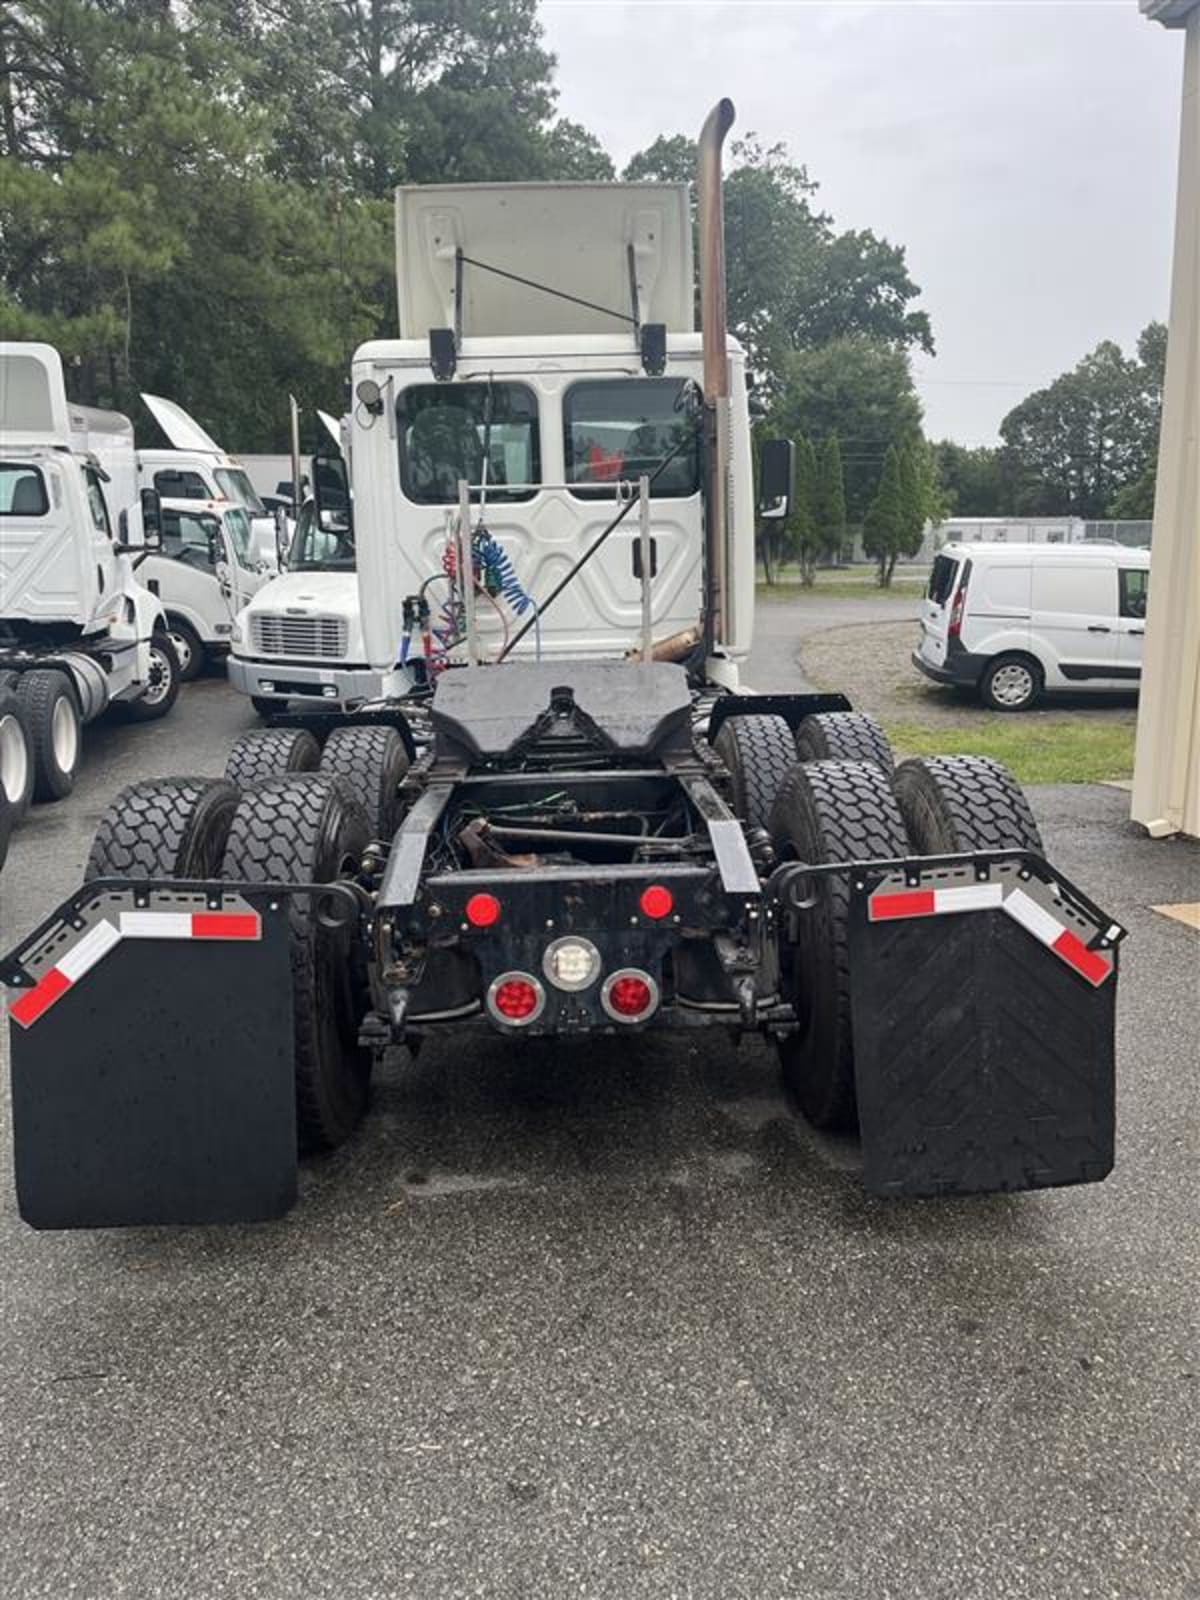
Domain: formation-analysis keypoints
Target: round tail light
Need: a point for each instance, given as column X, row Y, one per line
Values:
column 483, row 910
column 657, row 901
column 516, row 998
column 629, row 995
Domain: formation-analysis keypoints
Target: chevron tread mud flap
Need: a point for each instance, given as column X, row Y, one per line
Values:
column 152, row 1068
column 984, row 1000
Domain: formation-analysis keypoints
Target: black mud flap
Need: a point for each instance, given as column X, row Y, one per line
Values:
column 152, row 1066
column 984, row 1004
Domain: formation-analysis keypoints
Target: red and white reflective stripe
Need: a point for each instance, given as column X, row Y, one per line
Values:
column 99, row 940
column 1061, row 940
column 897, row 904
column 935, row 902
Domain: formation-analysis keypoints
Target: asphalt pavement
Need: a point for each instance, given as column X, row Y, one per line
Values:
column 610, row 1322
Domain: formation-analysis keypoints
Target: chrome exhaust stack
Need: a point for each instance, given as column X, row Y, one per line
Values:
column 711, row 218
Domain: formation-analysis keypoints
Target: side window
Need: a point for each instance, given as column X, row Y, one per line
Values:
column 96, row 505
column 176, row 484
column 1135, row 588
column 450, row 431
column 22, row 491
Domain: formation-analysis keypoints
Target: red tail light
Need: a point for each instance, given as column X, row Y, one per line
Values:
column 629, row 995
column 483, row 910
column 657, row 901
column 516, row 998
column 956, row 610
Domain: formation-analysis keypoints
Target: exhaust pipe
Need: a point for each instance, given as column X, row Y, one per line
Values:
column 711, row 214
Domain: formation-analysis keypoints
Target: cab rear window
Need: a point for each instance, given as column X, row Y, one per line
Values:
column 22, row 491
column 941, row 579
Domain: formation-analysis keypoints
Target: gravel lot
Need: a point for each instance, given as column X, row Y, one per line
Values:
column 611, row 1323
column 874, row 655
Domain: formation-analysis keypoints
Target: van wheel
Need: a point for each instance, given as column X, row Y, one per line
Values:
column 189, row 651
column 305, row 828
column 16, row 755
column 828, row 811
column 759, row 752
column 52, row 717
column 1010, row 683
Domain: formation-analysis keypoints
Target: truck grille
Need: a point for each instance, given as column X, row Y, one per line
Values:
column 298, row 636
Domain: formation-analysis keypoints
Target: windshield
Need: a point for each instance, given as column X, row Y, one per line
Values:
column 236, row 486
column 321, row 549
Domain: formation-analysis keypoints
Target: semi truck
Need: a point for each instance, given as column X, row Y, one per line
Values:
column 78, row 631
column 579, row 820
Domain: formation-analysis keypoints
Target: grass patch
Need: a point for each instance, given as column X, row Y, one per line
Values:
column 837, row 588
column 1038, row 748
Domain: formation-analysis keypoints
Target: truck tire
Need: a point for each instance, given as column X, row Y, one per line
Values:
column 759, row 752
column 371, row 762
column 271, row 753
column 952, row 803
column 828, row 811
column 167, row 828
column 188, row 647
column 1011, row 683
column 16, row 755
column 844, row 736
column 52, row 718
column 162, row 691
column 304, row 828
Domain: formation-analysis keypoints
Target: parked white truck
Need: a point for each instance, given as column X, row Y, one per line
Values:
column 196, row 468
column 205, row 571
column 78, row 631
column 550, row 462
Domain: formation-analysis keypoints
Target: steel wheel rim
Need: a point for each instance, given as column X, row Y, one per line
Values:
column 14, row 759
column 159, row 681
column 183, row 650
column 64, row 734
column 1012, row 684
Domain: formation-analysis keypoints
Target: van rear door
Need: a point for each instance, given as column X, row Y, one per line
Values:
column 935, row 608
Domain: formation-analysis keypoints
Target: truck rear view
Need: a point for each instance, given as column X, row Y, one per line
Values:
column 576, row 822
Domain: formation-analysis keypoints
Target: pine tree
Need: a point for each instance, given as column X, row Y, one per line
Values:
column 884, row 527
column 805, row 530
column 831, row 499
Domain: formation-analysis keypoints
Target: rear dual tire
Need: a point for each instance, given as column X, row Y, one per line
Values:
column 50, row 711
column 16, row 755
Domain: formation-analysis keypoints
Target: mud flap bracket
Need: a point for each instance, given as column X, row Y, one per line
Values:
column 152, row 1060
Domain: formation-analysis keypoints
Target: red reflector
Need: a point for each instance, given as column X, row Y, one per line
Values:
column 914, row 903
column 29, row 1007
column 483, row 910
column 656, row 901
column 630, row 996
column 225, row 925
column 516, row 998
column 1073, row 950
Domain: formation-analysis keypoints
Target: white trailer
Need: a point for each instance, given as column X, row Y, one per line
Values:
column 78, row 631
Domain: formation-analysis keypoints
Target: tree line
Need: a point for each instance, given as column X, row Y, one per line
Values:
column 195, row 200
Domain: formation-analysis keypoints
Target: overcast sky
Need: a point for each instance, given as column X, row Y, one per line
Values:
column 1023, row 153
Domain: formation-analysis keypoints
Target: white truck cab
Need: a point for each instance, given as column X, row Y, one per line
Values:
column 1012, row 620
column 78, row 631
column 207, row 569
column 537, row 400
column 196, row 468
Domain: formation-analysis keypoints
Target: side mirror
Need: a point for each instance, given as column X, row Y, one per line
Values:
column 151, row 519
column 775, row 476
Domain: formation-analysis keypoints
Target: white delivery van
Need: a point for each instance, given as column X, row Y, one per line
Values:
column 205, row 572
column 198, row 469
column 1013, row 620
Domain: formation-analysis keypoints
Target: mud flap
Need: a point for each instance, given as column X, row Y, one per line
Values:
column 152, row 1066
column 983, row 1014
